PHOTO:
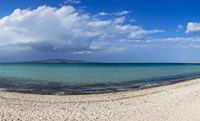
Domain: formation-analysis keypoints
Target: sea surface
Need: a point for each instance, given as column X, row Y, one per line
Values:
column 91, row 78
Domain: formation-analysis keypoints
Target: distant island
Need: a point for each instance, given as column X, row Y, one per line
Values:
column 53, row 61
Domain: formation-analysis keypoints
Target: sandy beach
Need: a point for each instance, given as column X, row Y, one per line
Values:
column 176, row 102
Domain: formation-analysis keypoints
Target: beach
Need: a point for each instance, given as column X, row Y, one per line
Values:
column 175, row 102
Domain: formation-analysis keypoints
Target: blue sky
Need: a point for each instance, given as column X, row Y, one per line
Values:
column 103, row 30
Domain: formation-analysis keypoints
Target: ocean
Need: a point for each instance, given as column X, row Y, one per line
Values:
column 92, row 78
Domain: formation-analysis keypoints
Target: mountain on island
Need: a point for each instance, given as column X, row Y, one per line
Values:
column 58, row 61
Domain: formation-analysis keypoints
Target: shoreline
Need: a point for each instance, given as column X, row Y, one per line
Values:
column 169, row 102
column 101, row 90
column 142, row 91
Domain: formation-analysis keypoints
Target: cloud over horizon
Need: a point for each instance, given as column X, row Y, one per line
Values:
column 193, row 28
column 66, row 29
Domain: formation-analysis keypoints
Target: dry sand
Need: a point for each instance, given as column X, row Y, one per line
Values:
column 177, row 102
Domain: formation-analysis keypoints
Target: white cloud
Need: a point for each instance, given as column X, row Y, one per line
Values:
column 180, row 27
column 122, row 13
column 83, row 52
column 186, row 42
column 103, row 13
column 142, row 33
column 64, row 29
column 99, row 23
column 119, row 20
column 72, row 1
column 133, row 20
column 193, row 28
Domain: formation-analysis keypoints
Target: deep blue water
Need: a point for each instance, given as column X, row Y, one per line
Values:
column 75, row 78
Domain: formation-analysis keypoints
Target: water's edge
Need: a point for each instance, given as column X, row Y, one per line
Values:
column 56, row 79
column 100, row 90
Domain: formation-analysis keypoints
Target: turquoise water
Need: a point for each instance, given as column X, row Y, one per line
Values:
column 90, row 77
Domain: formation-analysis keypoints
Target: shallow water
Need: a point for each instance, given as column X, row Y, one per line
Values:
column 90, row 77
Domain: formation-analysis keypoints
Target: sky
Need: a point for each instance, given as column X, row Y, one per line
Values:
column 100, row 30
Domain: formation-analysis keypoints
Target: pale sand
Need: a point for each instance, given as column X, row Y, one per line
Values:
column 177, row 102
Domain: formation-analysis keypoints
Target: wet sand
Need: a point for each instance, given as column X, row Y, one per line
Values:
column 175, row 102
